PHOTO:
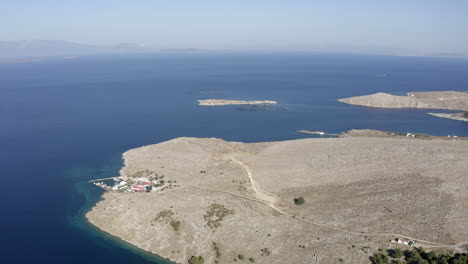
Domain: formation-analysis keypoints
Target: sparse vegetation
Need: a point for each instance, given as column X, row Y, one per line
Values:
column 242, row 186
column 164, row 215
column 241, row 257
column 251, row 259
column 217, row 250
column 167, row 216
column 196, row 260
column 265, row 251
column 215, row 214
column 175, row 225
column 418, row 256
column 299, row 200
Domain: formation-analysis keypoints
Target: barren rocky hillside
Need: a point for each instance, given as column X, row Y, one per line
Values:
column 230, row 202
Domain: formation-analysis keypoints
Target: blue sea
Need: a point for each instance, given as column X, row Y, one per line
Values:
column 64, row 122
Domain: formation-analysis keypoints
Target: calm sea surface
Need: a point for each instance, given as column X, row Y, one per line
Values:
column 63, row 122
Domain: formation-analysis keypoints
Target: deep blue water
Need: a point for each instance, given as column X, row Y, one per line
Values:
column 63, row 122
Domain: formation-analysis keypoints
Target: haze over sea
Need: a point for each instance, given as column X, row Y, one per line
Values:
column 64, row 122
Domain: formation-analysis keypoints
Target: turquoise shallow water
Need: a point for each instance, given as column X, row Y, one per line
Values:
column 64, row 122
column 91, row 196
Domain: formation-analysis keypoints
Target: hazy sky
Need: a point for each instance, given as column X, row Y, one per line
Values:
column 400, row 26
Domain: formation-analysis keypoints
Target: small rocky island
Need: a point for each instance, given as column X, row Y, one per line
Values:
column 215, row 102
column 315, row 200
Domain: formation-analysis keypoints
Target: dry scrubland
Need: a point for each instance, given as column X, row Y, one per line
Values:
column 358, row 191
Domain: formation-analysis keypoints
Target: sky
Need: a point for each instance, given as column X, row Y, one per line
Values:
column 376, row 26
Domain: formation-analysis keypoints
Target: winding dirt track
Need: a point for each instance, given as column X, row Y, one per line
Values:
column 271, row 199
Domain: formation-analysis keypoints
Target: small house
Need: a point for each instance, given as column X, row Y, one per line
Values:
column 404, row 241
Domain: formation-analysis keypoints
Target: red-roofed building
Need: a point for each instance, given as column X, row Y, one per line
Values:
column 137, row 188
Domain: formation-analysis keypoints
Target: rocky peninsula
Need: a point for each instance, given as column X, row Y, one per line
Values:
column 215, row 102
column 316, row 200
column 463, row 116
column 449, row 100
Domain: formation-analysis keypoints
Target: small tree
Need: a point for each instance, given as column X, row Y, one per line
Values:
column 196, row 260
column 396, row 253
column 175, row 225
column 299, row 200
column 379, row 258
column 414, row 257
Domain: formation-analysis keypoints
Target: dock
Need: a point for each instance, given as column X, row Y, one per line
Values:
column 103, row 179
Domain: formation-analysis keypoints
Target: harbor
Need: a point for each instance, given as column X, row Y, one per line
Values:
column 143, row 181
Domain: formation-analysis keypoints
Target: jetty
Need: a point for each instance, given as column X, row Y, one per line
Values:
column 103, row 179
column 321, row 133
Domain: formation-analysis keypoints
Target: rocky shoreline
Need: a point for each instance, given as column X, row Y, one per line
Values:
column 463, row 116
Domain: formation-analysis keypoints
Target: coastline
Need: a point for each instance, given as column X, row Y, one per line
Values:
column 81, row 221
column 150, row 256
column 197, row 190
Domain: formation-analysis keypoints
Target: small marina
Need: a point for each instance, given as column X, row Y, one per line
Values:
column 142, row 181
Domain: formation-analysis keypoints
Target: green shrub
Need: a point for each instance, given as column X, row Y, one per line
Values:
column 379, row 258
column 175, row 224
column 241, row 257
column 459, row 259
column 395, row 253
column 251, row 259
column 265, row 251
column 299, row 200
column 196, row 260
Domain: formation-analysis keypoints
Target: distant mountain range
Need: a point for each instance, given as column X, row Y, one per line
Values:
column 34, row 50
column 47, row 48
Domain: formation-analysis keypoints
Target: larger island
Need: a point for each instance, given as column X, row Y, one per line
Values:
column 436, row 100
column 449, row 100
column 323, row 200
